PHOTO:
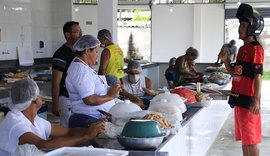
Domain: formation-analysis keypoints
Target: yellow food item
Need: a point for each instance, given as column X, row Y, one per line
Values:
column 158, row 117
column 20, row 75
column 201, row 96
column 10, row 74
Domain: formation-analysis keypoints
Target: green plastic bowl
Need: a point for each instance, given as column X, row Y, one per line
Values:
column 142, row 129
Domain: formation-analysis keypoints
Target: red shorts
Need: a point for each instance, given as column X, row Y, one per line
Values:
column 247, row 126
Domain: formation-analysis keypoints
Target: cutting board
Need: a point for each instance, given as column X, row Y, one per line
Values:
column 25, row 55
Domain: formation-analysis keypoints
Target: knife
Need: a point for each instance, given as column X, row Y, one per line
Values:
column 108, row 115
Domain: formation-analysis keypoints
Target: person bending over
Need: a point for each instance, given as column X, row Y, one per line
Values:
column 22, row 125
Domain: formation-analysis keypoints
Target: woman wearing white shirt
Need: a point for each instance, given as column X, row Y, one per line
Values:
column 87, row 91
column 22, row 125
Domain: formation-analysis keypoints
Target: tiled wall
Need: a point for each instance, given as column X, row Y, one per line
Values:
column 24, row 23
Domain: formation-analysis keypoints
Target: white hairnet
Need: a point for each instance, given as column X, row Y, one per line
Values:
column 105, row 33
column 22, row 93
column 86, row 41
column 134, row 65
column 112, row 79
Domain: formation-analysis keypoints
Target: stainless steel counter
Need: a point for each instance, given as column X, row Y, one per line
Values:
column 199, row 130
column 112, row 143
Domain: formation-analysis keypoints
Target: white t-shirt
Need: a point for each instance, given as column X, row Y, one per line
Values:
column 83, row 81
column 134, row 88
column 16, row 124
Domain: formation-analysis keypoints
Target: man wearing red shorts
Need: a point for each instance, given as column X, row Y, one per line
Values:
column 247, row 78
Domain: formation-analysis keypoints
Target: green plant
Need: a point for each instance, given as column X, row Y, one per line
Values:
column 138, row 17
column 133, row 52
column 131, row 47
column 266, row 75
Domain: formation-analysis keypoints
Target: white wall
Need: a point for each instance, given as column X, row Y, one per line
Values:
column 107, row 16
column 172, row 32
column 188, row 25
column 24, row 23
column 213, row 33
column 15, row 28
column 86, row 13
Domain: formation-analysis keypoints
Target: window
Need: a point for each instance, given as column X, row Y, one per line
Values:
column 130, row 2
column 186, row 1
column 134, row 33
column 85, row 1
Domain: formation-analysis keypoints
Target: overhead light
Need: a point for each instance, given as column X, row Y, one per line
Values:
column 17, row 9
column 238, row 3
column 76, row 9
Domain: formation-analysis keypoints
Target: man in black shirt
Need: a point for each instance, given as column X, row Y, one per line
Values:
column 61, row 61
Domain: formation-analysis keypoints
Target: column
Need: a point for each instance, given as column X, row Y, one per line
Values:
column 107, row 16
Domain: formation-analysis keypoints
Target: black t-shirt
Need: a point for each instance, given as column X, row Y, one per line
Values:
column 61, row 61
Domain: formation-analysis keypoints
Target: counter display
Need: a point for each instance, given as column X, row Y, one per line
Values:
column 199, row 130
column 200, row 127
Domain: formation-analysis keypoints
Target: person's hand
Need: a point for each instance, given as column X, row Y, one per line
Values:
column 96, row 128
column 123, row 91
column 55, row 110
column 114, row 90
column 199, row 74
column 150, row 92
column 223, row 55
column 193, row 74
column 255, row 106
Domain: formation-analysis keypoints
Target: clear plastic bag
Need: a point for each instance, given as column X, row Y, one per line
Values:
column 112, row 130
column 27, row 150
column 121, row 118
column 171, row 99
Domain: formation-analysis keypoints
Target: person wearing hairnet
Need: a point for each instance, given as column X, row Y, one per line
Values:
column 87, row 90
column 182, row 66
column 112, row 57
column 112, row 80
column 22, row 125
column 170, row 72
column 247, row 80
column 135, row 82
column 231, row 49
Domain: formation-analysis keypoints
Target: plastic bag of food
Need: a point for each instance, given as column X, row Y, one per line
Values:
column 168, row 109
column 171, row 99
column 186, row 93
column 112, row 130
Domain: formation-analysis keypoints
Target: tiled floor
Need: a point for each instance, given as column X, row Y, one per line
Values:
column 225, row 145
